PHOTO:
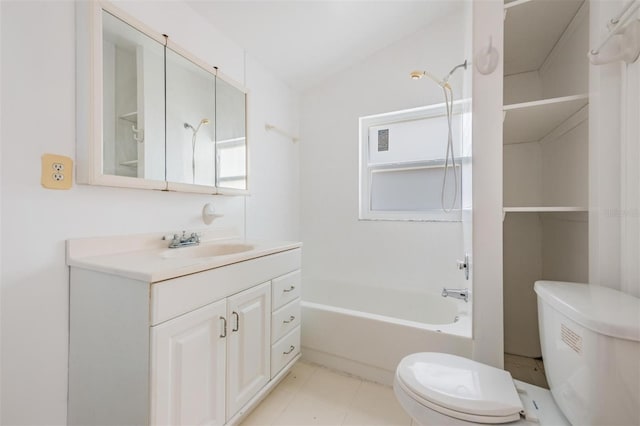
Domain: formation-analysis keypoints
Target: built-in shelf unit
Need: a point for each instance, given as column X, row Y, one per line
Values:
column 545, row 154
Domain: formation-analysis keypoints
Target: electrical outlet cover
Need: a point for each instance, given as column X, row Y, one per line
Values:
column 56, row 171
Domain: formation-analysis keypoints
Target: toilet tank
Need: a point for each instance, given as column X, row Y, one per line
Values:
column 590, row 338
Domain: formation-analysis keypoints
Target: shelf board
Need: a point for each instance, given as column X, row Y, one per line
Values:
column 130, row 163
column 538, row 209
column 532, row 121
column 130, row 116
column 532, row 28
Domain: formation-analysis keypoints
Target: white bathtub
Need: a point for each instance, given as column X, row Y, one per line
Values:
column 367, row 331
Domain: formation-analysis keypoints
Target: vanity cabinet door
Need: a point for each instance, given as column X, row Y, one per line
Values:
column 248, row 352
column 188, row 368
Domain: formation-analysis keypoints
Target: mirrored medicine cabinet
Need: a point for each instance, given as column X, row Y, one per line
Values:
column 152, row 115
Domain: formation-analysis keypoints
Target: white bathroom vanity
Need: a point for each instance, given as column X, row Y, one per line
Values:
column 192, row 335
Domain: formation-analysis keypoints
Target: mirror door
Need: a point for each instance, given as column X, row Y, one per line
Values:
column 133, row 102
column 191, row 125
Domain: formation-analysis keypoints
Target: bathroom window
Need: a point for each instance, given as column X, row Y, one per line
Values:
column 402, row 164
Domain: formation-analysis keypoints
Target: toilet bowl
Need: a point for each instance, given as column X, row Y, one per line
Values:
column 442, row 389
column 590, row 338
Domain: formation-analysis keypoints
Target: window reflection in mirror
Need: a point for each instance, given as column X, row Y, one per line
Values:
column 191, row 123
column 133, row 104
column 231, row 136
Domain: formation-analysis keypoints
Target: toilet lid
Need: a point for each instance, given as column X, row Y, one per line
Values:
column 460, row 385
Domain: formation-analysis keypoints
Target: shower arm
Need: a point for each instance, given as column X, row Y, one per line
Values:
column 462, row 65
column 440, row 82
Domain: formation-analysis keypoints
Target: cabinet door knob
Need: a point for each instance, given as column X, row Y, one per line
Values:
column 287, row 290
column 237, row 327
column 291, row 348
column 291, row 318
column 224, row 327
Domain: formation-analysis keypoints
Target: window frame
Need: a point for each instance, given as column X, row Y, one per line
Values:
column 460, row 107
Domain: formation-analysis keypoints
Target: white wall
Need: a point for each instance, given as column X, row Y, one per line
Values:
column 523, row 248
column 488, row 23
column 522, row 171
column 338, row 247
column 1, row 274
column 566, row 70
column 38, row 104
column 630, row 173
column 614, row 174
column 522, row 87
column 271, row 214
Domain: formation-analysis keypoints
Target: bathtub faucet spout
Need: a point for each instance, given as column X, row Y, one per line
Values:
column 456, row 293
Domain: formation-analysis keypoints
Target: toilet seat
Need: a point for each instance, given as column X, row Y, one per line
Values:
column 459, row 387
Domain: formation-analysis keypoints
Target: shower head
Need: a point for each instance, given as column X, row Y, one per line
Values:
column 417, row 75
column 204, row 121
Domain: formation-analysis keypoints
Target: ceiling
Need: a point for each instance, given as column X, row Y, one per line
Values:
column 303, row 42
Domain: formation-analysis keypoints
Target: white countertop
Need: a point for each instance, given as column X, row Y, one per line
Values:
column 144, row 257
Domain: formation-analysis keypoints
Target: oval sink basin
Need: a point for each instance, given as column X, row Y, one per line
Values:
column 206, row 250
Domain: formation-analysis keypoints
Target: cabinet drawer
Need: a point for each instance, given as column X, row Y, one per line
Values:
column 177, row 296
column 285, row 319
column 285, row 350
column 285, row 289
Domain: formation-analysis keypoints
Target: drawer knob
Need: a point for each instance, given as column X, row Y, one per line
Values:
column 291, row 348
column 287, row 290
column 291, row 318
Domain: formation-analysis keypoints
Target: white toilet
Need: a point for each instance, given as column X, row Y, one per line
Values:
column 590, row 338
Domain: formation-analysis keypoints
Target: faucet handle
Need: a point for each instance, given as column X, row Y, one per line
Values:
column 464, row 265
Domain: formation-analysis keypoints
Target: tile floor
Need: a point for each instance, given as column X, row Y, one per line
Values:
column 529, row 370
column 314, row 395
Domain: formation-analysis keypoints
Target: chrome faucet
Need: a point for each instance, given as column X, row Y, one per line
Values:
column 456, row 293
column 464, row 265
column 184, row 240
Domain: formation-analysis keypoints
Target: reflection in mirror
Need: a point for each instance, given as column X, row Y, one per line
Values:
column 191, row 122
column 231, row 140
column 133, row 104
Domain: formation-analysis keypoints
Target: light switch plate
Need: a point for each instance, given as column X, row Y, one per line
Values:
column 57, row 171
